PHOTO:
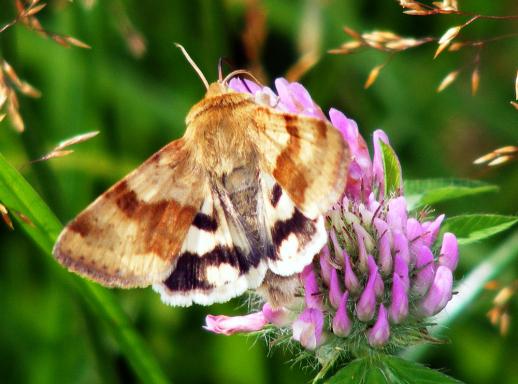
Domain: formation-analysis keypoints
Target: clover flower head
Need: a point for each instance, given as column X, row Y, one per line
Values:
column 383, row 273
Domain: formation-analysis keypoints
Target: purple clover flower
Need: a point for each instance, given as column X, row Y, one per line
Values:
column 379, row 275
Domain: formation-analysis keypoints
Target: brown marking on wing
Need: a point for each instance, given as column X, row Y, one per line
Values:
column 286, row 171
column 81, row 225
column 322, row 129
column 275, row 195
column 160, row 218
column 165, row 239
column 131, row 235
column 125, row 198
column 307, row 156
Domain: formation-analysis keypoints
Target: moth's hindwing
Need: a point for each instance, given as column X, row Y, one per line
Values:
column 295, row 238
column 307, row 157
column 218, row 260
column 132, row 233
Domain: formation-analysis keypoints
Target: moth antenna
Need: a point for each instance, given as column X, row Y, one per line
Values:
column 221, row 62
column 193, row 65
column 220, row 69
column 240, row 72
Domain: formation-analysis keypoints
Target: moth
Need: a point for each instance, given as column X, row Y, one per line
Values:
column 240, row 196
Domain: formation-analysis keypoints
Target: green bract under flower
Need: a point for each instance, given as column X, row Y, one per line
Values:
column 383, row 272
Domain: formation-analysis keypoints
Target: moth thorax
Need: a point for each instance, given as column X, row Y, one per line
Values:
column 221, row 136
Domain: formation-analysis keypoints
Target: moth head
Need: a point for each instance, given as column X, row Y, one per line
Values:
column 216, row 88
column 222, row 85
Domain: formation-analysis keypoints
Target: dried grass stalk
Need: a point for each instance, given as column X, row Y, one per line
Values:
column 447, row 38
column 60, row 151
column 76, row 139
column 475, row 80
column 448, row 79
column 498, row 156
column 373, row 75
column 9, row 83
column 5, row 217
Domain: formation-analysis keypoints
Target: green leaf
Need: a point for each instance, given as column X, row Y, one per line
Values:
column 392, row 169
column 354, row 373
column 431, row 191
column 386, row 369
column 469, row 228
column 19, row 197
column 404, row 371
column 377, row 375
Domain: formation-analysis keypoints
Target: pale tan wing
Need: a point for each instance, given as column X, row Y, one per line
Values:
column 307, row 157
column 131, row 235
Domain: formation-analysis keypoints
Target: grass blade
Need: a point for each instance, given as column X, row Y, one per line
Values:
column 42, row 226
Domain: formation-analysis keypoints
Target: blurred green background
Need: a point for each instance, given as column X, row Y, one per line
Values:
column 47, row 332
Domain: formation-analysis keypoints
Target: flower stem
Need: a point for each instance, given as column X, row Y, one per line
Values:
column 325, row 369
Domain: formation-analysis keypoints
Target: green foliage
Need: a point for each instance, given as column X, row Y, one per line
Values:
column 392, row 168
column 353, row 372
column 404, row 371
column 420, row 193
column 20, row 197
column 384, row 369
column 470, row 228
column 467, row 228
column 43, row 227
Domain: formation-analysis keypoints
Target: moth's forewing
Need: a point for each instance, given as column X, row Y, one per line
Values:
column 307, row 157
column 130, row 236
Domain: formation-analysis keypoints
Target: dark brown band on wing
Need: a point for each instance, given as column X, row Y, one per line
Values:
column 205, row 222
column 276, row 195
column 190, row 271
column 299, row 225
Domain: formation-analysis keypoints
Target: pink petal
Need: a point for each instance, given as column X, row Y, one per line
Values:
column 439, row 294
column 379, row 334
column 342, row 324
column 308, row 328
column 228, row 325
column 449, row 255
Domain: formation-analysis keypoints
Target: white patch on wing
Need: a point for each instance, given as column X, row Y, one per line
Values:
column 222, row 274
column 200, row 242
column 208, row 206
column 304, row 255
column 284, row 210
column 289, row 247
